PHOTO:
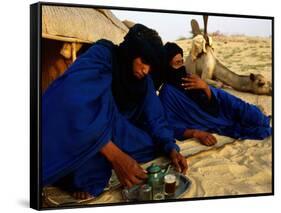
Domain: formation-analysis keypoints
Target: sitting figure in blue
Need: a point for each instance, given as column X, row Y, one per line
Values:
column 195, row 110
column 103, row 113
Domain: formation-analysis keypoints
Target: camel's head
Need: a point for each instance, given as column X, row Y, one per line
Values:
column 260, row 85
column 199, row 46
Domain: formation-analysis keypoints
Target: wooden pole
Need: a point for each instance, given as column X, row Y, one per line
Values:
column 73, row 50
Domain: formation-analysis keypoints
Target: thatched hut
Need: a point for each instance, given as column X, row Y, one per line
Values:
column 128, row 23
column 68, row 31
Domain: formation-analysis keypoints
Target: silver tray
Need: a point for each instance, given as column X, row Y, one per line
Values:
column 132, row 194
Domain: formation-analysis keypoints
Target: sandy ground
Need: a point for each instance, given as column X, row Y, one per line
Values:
column 243, row 167
column 239, row 167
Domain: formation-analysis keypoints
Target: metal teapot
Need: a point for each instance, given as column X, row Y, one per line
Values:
column 156, row 174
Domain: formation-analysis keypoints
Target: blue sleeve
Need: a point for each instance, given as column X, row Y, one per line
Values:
column 178, row 132
column 156, row 120
column 77, row 114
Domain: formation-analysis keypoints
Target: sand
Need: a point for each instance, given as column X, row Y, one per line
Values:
column 243, row 167
column 231, row 167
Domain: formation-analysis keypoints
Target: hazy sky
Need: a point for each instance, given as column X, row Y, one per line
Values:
column 172, row 26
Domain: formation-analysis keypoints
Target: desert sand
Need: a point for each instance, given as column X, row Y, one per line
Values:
column 231, row 167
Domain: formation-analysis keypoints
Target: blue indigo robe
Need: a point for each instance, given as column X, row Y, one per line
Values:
column 236, row 118
column 79, row 116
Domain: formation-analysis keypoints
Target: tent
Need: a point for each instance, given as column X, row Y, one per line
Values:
column 68, row 31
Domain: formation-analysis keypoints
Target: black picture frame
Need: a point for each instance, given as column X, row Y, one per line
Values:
column 36, row 98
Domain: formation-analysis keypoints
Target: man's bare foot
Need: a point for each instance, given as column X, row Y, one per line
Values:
column 82, row 195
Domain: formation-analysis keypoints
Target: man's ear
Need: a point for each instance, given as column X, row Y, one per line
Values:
column 252, row 77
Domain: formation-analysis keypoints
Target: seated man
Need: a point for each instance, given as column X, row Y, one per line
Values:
column 103, row 113
column 195, row 109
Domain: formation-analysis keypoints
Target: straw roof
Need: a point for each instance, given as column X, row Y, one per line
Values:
column 85, row 25
column 128, row 23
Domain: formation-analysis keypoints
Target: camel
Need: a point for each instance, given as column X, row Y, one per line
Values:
column 203, row 62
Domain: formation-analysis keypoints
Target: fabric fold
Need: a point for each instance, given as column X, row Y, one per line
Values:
column 236, row 118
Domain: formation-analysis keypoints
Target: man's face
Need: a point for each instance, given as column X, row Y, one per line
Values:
column 177, row 61
column 140, row 69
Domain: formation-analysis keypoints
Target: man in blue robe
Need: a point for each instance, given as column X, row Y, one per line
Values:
column 195, row 110
column 103, row 114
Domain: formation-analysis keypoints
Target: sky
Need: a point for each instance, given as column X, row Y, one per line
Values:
column 172, row 26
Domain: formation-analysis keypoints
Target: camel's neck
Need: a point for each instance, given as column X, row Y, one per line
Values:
column 225, row 75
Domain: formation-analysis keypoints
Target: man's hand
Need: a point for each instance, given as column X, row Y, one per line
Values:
column 178, row 161
column 128, row 171
column 193, row 81
column 205, row 138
